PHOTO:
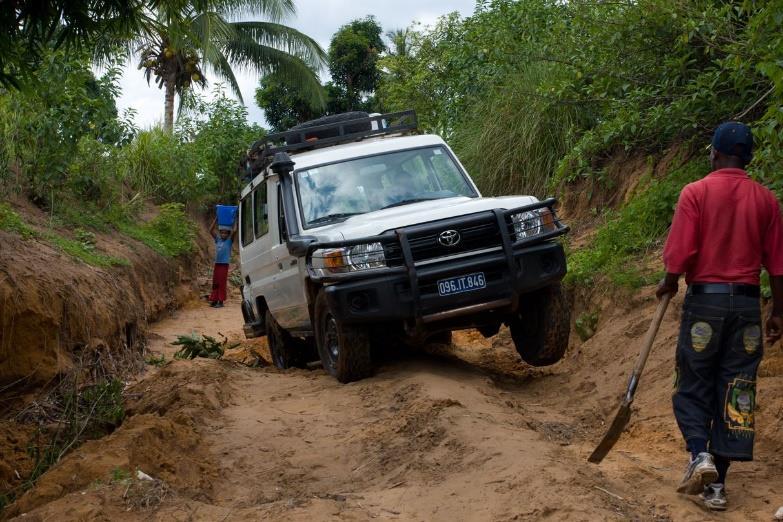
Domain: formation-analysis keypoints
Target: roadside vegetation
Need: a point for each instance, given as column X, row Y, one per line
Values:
column 65, row 148
column 537, row 96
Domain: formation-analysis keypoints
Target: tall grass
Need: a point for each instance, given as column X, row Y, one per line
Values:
column 157, row 164
column 513, row 138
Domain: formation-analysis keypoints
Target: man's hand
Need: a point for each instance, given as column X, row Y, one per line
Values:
column 668, row 285
column 773, row 329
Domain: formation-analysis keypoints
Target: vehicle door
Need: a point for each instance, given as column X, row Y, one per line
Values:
column 290, row 299
column 258, row 268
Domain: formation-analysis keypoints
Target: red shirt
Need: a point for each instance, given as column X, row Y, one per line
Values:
column 726, row 226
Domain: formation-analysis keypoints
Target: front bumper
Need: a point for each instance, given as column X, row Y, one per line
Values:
column 402, row 297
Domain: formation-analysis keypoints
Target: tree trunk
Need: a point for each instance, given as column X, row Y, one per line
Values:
column 168, row 121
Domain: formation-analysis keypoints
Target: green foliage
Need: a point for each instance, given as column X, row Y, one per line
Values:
column 236, row 279
column 30, row 26
column 195, row 345
column 83, row 250
column 11, row 222
column 158, row 165
column 82, row 413
column 507, row 152
column 67, row 120
column 158, row 361
column 170, row 233
column 217, row 133
column 586, row 324
column 191, row 37
column 558, row 87
column 632, row 231
column 83, row 247
column 120, row 475
column 284, row 103
column 353, row 64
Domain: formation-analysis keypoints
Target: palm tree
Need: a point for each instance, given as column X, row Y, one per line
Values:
column 185, row 37
column 400, row 42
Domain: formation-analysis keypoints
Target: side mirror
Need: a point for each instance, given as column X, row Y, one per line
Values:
column 298, row 247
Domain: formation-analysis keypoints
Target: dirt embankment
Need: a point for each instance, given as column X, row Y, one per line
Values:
column 58, row 313
column 54, row 307
column 464, row 432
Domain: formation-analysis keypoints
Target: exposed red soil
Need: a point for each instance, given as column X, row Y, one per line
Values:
column 466, row 432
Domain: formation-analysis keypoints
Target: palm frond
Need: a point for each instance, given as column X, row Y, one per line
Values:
column 263, row 59
column 211, row 31
column 222, row 68
column 274, row 10
column 285, row 38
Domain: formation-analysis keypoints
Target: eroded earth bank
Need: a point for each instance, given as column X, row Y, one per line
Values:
column 466, row 432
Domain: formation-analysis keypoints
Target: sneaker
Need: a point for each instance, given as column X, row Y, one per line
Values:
column 213, row 304
column 219, row 304
column 714, row 497
column 700, row 472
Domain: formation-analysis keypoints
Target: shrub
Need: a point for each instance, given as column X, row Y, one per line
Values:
column 201, row 346
column 632, row 231
column 170, row 233
column 158, row 165
column 83, row 248
column 11, row 222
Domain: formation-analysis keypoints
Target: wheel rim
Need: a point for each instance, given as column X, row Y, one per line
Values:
column 331, row 340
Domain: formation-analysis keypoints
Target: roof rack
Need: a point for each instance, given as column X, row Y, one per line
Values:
column 305, row 137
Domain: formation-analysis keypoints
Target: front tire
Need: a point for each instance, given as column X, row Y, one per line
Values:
column 541, row 327
column 286, row 351
column 345, row 350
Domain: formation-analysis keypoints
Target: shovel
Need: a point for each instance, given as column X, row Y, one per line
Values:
column 624, row 413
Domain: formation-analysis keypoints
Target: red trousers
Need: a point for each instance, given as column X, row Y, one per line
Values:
column 219, row 282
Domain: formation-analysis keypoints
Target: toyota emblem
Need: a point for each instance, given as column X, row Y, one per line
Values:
column 449, row 238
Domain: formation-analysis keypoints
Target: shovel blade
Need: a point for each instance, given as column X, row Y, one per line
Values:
column 613, row 433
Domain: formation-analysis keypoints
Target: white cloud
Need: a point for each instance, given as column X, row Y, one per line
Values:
column 317, row 18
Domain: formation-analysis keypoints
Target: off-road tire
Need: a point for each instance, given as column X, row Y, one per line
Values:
column 286, row 351
column 540, row 330
column 353, row 360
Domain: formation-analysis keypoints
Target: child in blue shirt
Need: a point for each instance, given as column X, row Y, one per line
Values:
column 224, row 240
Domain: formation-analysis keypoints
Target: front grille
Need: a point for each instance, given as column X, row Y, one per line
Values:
column 475, row 234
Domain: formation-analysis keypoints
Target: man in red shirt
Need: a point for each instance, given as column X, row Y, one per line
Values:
column 725, row 228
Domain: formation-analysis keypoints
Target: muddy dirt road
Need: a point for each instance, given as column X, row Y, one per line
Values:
column 454, row 433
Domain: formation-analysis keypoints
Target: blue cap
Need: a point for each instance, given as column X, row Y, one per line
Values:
column 734, row 139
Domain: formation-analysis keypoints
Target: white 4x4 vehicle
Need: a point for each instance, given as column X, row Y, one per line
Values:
column 354, row 231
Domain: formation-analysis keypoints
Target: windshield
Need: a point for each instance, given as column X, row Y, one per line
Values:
column 335, row 192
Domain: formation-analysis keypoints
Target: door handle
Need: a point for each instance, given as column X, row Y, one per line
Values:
column 280, row 266
column 292, row 263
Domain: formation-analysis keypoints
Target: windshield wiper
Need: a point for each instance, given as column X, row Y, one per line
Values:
column 332, row 217
column 407, row 202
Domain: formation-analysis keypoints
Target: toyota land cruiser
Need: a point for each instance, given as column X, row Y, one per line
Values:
column 353, row 229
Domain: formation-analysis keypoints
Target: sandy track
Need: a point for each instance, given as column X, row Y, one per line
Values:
column 460, row 433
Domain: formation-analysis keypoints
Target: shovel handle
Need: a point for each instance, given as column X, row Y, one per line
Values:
column 647, row 347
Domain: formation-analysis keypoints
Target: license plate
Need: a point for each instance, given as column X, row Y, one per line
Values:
column 462, row 284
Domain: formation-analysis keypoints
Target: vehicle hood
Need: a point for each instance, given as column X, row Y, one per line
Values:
column 374, row 223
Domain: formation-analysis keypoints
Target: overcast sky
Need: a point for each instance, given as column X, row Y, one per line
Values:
column 316, row 18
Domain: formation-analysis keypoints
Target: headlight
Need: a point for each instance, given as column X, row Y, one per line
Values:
column 367, row 256
column 531, row 223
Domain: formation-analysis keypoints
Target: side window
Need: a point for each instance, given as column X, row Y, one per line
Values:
column 260, row 211
column 246, row 211
column 281, row 216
